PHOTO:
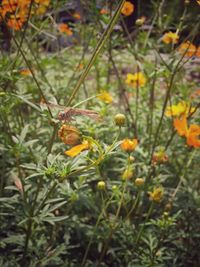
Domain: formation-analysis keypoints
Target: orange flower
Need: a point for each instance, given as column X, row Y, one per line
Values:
column 198, row 52
column 129, row 145
column 64, row 28
column 192, row 133
column 127, row 8
column 187, row 49
column 181, row 126
column 74, row 151
column 42, row 2
column 170, row 37
column 103, row 11
column 77, row 16
column 193, row 136
column 25, row 72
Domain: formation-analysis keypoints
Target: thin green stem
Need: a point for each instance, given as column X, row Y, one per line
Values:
column 96, row 52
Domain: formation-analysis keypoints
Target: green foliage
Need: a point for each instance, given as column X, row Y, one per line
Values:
column 53, row 213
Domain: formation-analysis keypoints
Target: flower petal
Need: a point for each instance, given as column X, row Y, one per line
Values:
column 74, row 151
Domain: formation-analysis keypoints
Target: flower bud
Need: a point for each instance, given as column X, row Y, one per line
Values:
column 101, row 185
column 120, row 119
column 140, row 21
column 114, row 187
column 131, row 159
column 69, row 134
column 127, row 174
column 139, row 182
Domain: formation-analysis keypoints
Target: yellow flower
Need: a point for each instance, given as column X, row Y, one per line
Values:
column 136, row 80
column 74, row 151
column 198, row 2
column 157, row 194
column 105, row 97
column 176, row 110
column 127, row 8
column 170, row 37
column 129, row 145
column 69, row 134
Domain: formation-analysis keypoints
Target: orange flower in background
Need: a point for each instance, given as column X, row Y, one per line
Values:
column 74, row 151
column 25, row 72
column 42, row 2
column 135, row 80
column 64, row 28
column 188, row 49
column 181, row 126
column 77, row 16
column 15, row 12
column 198, row 2
column 15, row 24
column 197, row 54
column 103, row 11
column 129, row 145
column 127, row 8
column 193, row 136
column 170, row 37
column 191, row 133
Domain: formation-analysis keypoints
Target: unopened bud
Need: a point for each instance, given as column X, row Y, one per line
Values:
column 120, row 119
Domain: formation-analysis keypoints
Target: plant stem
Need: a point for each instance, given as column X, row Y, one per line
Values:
column 97, row 50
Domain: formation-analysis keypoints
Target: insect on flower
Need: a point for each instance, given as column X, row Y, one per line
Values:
column 68, row 113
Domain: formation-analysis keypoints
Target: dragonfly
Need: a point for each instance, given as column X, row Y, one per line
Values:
column 67, row 113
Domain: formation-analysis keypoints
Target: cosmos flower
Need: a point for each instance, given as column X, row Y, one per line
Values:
column 127, row 8
column 136, row 80
column 191, row 133
column 170, row 37
column 64, row 28
column 129, row 145
column 105, row 97
column 176, row 110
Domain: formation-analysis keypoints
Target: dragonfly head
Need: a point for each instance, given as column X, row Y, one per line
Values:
column 61, row 115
